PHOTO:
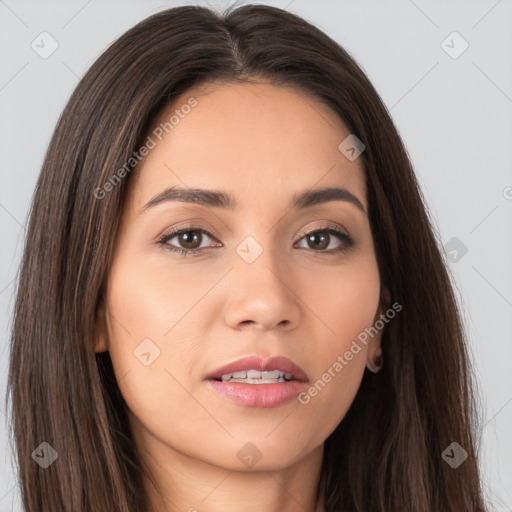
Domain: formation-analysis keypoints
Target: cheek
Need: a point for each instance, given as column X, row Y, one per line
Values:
column 153, row 336
column 344, row 300
column 151, row 299
column 345, row 306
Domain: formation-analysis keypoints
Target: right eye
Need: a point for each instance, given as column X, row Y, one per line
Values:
column 193, row 235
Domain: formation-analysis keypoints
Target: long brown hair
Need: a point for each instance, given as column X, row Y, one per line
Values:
column 386, row 454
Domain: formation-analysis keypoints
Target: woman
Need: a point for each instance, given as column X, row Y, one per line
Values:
column 231, row 296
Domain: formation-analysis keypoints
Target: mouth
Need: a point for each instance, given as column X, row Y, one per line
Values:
column 258, row 369
column 256, row 381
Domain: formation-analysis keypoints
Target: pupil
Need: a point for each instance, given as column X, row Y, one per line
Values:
column 314, row 237
column 186, row 240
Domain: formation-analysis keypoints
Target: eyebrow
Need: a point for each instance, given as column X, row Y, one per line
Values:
column 219, row 199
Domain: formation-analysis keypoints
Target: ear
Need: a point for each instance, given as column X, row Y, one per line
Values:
column 374, row 346
column 100, row 328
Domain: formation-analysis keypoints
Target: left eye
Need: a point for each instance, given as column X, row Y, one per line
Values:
column 324, row 236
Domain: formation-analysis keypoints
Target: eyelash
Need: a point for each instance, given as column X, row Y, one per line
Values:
column 330, row 228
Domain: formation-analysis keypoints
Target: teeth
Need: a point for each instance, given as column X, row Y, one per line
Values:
column 257, row 377
column 258, row 381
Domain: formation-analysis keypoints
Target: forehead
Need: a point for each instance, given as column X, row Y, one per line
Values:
column 260, row 142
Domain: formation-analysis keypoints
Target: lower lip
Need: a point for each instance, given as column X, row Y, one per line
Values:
column 259, row 395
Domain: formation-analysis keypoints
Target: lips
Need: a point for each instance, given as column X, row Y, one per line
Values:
column 262, row 364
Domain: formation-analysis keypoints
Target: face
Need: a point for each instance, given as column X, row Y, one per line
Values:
column 264, row 277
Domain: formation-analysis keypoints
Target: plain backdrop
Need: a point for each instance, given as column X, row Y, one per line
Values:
column 444, row 70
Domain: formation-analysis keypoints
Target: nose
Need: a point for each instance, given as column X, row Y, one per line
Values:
column 263, row 295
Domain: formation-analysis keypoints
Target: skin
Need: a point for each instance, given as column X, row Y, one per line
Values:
column 262, row 144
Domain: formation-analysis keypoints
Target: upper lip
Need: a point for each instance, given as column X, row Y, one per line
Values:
column 262, row 364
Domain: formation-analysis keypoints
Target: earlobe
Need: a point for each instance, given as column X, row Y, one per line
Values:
column 100, row 329
column 374, row 360
column 375, row 366
column 385, row 297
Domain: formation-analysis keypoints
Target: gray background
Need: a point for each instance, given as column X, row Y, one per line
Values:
column 454, row 115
